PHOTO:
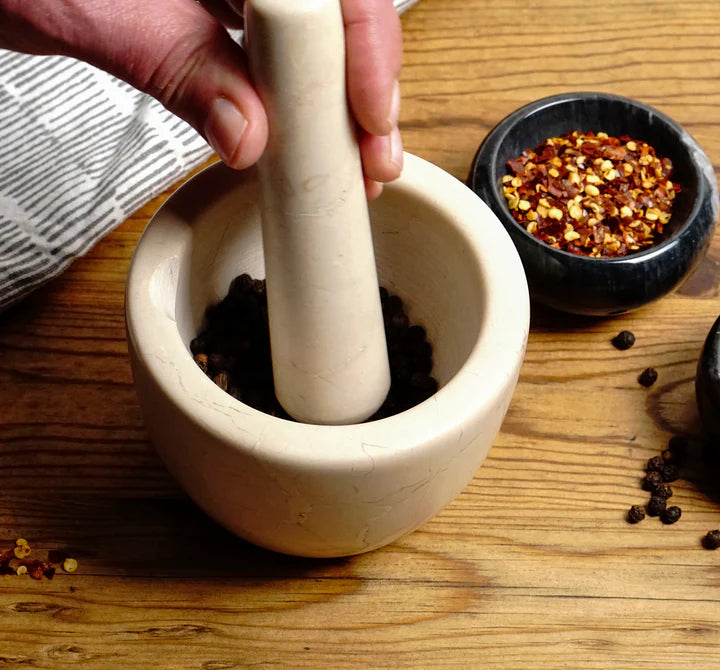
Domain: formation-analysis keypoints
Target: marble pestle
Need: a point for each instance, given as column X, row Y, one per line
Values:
column 329, row 354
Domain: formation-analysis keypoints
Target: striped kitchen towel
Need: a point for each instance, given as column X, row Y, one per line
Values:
column 79, row 152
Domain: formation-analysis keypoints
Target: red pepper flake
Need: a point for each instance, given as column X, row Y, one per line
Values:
column 36, row 568
column 591, row 194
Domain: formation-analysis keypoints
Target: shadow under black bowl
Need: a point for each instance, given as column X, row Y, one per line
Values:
column 603, row 286
column 707, row 383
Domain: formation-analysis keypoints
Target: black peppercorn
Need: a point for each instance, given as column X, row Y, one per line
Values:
column 416, row 334
column 623, row 340
column 652, row 481
column 222, row 379
column 202, row 361
column 670, row 514
column 216, row 362
column 258, row 287
column 401, row 369
column 678, row 445
column 419, row 348
column 240, row 286
column 655, row 464
column 393, row 304
column 656, row 506
column 648, row 377
column 233, row 349
column 198, row 345
column 423, row 364
column 635, row 514
column 670, row 473
column 422, row 386
column 399, row 321
column 663, row 491
column 712, row 540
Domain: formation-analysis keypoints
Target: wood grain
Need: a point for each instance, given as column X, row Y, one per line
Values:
column 533, row 565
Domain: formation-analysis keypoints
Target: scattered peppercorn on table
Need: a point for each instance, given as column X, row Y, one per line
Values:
column 535, row 564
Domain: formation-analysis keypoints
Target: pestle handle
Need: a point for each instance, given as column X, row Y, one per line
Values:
column 329, row 354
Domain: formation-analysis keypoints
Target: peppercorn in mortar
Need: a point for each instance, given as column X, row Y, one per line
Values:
column 591, row 194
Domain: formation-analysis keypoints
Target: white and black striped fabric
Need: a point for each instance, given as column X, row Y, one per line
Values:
column 404, row 5
column 79, row 152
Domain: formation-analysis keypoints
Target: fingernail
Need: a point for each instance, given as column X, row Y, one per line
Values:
column 396, row 148
column 373, row 189
column 394, row 114
column 224, row 127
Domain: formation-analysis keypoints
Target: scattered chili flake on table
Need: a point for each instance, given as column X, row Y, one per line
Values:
column 22, row 565
column 591, row 194
column 70, row 565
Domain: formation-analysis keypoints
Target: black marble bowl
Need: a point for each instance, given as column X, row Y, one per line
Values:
column 707, row 382
column 603, row 286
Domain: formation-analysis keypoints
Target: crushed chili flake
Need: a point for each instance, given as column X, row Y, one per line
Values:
column 70, row 565
column 591, row 194
column 36, row 568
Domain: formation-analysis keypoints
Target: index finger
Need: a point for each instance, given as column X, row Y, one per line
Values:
column 373, row 38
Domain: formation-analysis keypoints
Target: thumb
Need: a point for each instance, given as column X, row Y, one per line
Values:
column 207, row 84
column 199, row 73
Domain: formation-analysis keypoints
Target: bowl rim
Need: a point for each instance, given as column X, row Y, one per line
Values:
column 306, row 446
column 500, row 131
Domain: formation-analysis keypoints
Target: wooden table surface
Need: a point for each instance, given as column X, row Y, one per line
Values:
column 533, row 565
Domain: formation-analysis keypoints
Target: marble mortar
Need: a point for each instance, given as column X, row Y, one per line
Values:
column 315, row 490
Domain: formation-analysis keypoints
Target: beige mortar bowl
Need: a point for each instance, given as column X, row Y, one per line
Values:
column 316, row 490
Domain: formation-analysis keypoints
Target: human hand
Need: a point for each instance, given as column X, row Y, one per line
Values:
column 179, row 52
